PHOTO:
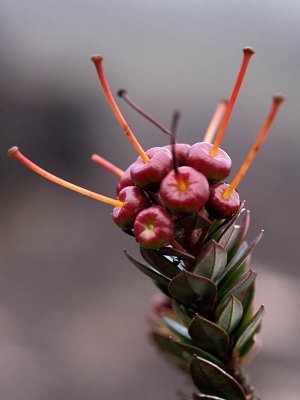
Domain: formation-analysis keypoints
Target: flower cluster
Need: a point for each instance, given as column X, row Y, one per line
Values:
column 168, row 183
column 191, row 228
column 185, row 182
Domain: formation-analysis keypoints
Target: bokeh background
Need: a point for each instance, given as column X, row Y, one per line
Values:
column 71, row 306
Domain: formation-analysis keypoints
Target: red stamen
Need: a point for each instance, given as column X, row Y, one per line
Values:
column 277, row 100
column 215, row 121
column 15, row 153
column 97, row 60
column 107, row 164
column 248, row 52
column 124, row 95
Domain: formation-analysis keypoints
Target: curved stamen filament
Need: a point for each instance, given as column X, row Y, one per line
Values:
column 277, row 100
column 248, row 52
column 124, row 95
column 107, row 164
column 15, row 153
column 215, row 121
column 97, row 60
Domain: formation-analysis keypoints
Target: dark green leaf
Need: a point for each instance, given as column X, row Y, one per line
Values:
column 193, row 221
column 160, row 263
column 250, row 330
column 229, row 236
column 211, row 337
column 234, row 243
column 206, row 397
column 194, row 350
column 171, row 251
column 211, row 379
column 231, row 314
column 166, row 345
column 213, row 262
column 149, row 271
column 239, row 286
column 193, row 290
column 181, row 313
column 237, row 261
column 218, row 229
column 177, row 328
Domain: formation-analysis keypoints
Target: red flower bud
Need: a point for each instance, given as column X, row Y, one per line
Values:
column 154, row 228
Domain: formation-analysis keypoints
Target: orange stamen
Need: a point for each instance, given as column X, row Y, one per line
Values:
column 277, row 100
column 107, row 164
column 215, row 121
column 248, row 52
column 15, row 153
column 97, row 60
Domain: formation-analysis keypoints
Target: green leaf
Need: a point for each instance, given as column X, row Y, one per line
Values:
column 229, row 236
column 166, row 345
column 211, row 337
column 177, row 328
column 250, row 330
column 231, row 315
column 194, row 350
column 149, row 271
column 193, row 221
column 160, row 263
column 214, row 381
column 171, row 251
column 237, row 261
column 193, row 290
column 181, row 313
column 234, row 243
column 213, row 262
column 197, row 396
column 218, row 229
column 239, row 286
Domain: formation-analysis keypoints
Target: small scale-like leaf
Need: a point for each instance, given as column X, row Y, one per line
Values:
column 197, row 396
column 166, row 345
column 213, row 262
column 231, row 314
column 160, row 263
column 177, row 328
column 237, row 261
column 192, row 350
column 217, row 230
column 171, row 251
column 234, row 243
column 214, row 381
column 229, row 236
column 193, row 221
column 239, row 286
column 181, row 313
column 211, row 337
column 149, row 271
column 193, row 290
column 250, row 330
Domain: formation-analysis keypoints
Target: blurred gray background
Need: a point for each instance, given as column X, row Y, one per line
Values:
column 71, row 306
